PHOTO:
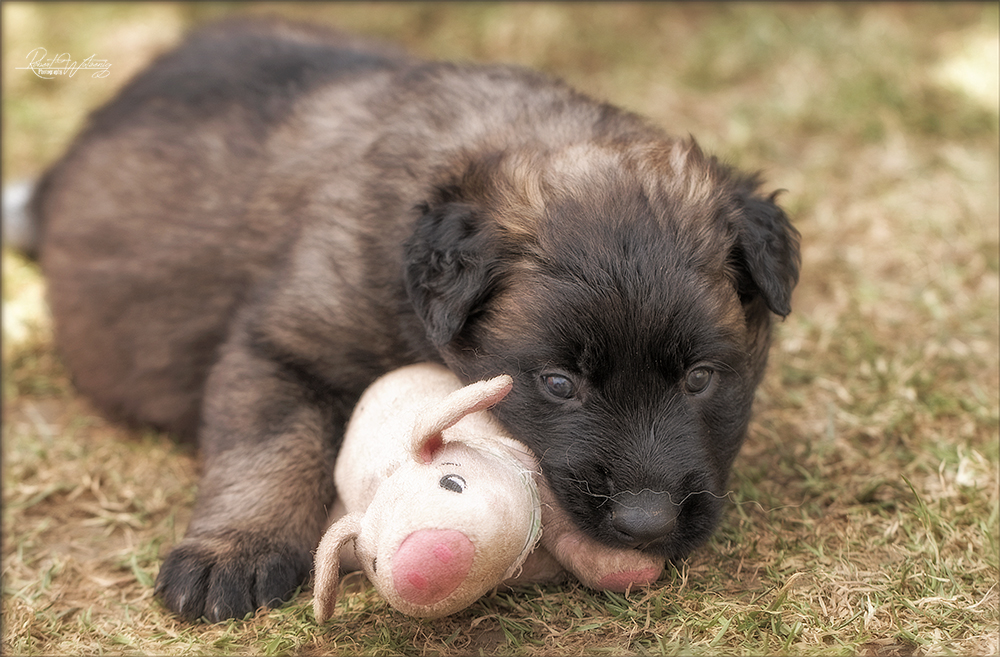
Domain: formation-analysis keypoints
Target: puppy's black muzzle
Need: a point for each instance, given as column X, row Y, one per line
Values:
column 644, row 519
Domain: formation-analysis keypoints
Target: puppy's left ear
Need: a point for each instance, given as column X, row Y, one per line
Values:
column 768, row 249
column 450, row 268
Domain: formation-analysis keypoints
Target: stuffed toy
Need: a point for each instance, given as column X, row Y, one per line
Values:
column 443, row 506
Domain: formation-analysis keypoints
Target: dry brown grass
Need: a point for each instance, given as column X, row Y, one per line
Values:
column 864, row 515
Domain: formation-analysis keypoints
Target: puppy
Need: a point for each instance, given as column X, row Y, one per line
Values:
column 271, row 216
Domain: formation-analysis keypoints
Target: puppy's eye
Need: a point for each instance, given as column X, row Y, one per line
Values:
column 559, row 386
column 453, row 482
column 698, row 380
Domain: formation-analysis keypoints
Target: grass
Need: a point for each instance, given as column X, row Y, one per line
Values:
column 864, row 507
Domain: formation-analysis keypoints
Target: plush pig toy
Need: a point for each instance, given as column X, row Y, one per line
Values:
column 443, row 506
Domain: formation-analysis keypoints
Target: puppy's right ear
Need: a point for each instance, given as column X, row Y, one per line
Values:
column 768, row 250
column 327, row 577
column 450, row 267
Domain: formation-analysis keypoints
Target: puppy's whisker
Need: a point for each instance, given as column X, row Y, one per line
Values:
column 584, row 487
column 731, row 496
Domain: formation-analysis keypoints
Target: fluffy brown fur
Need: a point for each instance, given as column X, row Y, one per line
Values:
column 271, row 216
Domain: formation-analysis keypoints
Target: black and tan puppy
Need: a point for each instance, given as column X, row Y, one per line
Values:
column 271, row 216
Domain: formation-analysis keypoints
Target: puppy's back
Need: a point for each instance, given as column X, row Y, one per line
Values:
column 146, row 240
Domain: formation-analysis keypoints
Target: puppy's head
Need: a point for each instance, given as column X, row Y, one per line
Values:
column 629, row 292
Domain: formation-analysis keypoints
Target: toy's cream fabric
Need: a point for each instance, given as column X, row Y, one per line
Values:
column 441, row 504
column 595, row 565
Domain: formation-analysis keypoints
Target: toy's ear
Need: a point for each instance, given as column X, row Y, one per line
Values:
column 328, row 564
column 427, row 439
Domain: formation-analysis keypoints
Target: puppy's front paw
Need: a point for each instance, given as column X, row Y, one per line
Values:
column 222, row 577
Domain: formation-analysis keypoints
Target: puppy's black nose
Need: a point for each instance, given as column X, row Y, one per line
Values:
column 643, row 518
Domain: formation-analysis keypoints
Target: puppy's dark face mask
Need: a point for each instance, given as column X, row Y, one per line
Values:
column 636, row 339
column 635, row 405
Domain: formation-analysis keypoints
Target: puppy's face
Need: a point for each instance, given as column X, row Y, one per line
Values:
column 633, row 321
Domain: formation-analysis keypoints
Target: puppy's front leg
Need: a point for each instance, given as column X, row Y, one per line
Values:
column 267, row 443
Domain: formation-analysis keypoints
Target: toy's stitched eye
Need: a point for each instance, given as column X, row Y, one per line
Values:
column 452, row 482
column 698, row 380
column 559, row 386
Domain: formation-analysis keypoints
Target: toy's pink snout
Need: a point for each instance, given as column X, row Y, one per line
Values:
column 622, row 581
column 430, row 564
